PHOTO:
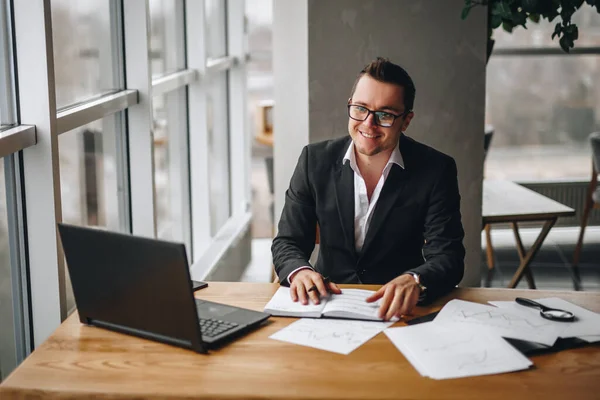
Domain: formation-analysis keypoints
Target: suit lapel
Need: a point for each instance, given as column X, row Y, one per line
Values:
column 344, row 197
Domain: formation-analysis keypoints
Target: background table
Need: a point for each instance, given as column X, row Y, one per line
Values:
column 508, row 202
column 79, row 361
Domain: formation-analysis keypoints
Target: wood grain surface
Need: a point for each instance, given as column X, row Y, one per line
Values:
column 79, row 361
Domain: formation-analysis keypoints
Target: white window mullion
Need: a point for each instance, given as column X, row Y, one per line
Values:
column 198, row 136
column 139, row 117
column 37, row 104
column 179, row 166
column 240, row 150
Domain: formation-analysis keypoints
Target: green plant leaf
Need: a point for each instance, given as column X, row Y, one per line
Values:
column 564, row 44
column 465, row 12
column 557, row 30
column 495, row 21
column 501, row 8
column 507, row 26
column 519, row 18
column 529, row 6
column 534, row 18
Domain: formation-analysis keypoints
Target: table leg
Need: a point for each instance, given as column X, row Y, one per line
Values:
column 521, row 251
column 524, row 265
column 489, row 251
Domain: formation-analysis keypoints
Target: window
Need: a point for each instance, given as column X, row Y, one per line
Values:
column 218, row 146
column 15, row 341
column 133, row 87
column 169, row 116
column 89, row 179
column 167, row 52
column 170, row 167
column 259, row 15
column 86, row 49
column 7, row 320
column 543, row 103
column 216, row 37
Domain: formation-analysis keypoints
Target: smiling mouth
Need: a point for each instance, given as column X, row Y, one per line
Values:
column 368, row 136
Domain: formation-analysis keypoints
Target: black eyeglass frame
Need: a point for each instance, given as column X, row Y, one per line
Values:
column 369, row 112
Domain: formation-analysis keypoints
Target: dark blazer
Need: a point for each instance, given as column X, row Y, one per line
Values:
column 416, row 225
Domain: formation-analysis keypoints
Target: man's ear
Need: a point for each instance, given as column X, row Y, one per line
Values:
column 407, row 120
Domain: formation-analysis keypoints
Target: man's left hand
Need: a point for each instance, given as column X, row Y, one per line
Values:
column 400, row 296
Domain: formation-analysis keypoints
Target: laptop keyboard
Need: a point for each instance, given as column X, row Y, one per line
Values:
column 214, row 327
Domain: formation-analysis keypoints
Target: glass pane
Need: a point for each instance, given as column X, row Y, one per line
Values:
column 540, row 35
column 542, row 110
column 218, row 152
column 215, row 28
column 8, row 114
column 170, row 173
column 166, row 37
column 259, row 15
column 88, row 178
column 7, row 317
column 86, row 49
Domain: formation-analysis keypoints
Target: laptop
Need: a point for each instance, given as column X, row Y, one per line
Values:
column 142, row 287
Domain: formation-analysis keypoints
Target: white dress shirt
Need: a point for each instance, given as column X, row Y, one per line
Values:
column 363, row 208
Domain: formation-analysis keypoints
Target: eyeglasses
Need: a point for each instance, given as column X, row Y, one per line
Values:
column 382, row 118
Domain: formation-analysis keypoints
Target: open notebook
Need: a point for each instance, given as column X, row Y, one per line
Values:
column 350, row 304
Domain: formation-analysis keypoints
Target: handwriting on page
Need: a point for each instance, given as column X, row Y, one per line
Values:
column 499, row 321
column 354, row 301
column 338, row 336
column 442, row 353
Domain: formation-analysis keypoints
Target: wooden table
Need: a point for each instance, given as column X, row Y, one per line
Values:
column 505, row 201
column 79, row 361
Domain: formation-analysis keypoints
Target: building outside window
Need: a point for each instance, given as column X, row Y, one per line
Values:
column 543, row 103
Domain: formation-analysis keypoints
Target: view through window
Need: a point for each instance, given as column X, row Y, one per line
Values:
column 542, row 107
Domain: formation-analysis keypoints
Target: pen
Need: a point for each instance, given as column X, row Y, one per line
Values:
column 314, row 287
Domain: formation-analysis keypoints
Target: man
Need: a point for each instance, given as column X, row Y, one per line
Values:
column 387, row 207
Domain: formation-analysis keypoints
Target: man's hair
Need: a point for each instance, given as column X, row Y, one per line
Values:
column 383, row 70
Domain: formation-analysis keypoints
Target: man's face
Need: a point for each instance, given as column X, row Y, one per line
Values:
column 369, row 138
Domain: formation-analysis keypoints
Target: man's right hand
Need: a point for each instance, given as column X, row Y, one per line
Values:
column 303, row 280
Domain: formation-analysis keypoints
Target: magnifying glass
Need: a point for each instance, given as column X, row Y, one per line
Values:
column 553, row 314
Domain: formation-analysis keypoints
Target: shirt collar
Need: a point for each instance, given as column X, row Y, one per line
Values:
column 395, row 157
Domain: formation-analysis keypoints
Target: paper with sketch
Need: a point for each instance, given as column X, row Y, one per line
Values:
column 499, row 321
column 440, row 352
column 587, row 323
column 338, row 336
column 350, row 304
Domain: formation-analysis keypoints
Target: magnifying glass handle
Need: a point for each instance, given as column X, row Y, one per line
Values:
column 530, row 303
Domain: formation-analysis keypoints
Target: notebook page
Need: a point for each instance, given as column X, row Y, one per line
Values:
column 281, row 304
column 352, row 302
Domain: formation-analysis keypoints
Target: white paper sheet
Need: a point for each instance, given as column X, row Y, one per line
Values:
column 498, row 321
column 338, row 336
column 441, row 352
column 587, row 323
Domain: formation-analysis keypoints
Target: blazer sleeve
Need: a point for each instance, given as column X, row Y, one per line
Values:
column 295, row 239
column 443, row 250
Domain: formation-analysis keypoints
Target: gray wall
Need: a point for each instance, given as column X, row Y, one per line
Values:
column 445, row 57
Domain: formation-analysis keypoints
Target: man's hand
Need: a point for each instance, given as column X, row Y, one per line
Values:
column 400, row 296
column 303, row 280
